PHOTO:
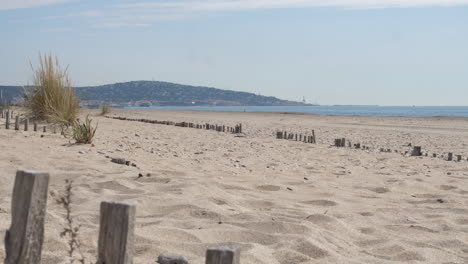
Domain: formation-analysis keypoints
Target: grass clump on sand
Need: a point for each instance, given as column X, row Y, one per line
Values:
column 83, row 132
column 105, row 109
column 51, row 97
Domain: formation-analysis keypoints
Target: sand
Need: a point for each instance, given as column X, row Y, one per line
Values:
column 281, row 201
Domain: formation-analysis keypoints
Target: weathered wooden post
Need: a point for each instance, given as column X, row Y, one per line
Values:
column 449, row 157
column 116, row 233
column 44, row 129
column 7, row 121
column 26, row 124
column 223, row 255
column 313, row 137
column 35, row 126
column 416, row 151
column 17, row 122
column 343, row 142
column 23, row 241
column 337, row 142
column 459, row 157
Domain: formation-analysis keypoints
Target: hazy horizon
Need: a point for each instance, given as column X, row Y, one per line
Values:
column 355, row 52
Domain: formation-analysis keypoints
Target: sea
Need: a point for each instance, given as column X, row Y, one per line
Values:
column 336, row 110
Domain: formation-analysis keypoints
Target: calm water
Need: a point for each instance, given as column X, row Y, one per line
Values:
column 460, row 111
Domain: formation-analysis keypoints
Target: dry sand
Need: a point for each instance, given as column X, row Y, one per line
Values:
column 281, row 201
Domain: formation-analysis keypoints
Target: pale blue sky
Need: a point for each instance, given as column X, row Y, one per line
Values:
column 387, row 52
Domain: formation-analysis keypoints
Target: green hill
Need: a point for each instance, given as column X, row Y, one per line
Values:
column 154, row 93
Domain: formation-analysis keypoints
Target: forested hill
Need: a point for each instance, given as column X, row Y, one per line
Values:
column 154, row 93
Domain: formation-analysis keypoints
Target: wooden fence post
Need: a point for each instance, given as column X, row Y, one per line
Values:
column 17, row 122
column 23, row 241
column 416, row 151
column 449, row 156
column 26, row 124
column 223, row 255
column 116, row 233
column 7, row 121
column 35, row 126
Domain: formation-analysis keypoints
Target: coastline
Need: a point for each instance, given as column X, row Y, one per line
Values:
column 384, row 111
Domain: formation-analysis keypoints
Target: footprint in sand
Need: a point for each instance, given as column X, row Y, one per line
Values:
column 270, row 188
column 379, row 190
column 320, row 203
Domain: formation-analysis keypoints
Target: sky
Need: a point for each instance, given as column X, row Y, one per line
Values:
column 371, row 52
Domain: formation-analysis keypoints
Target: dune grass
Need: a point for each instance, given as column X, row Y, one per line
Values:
column 105, row 109
column 51, row 97
column 83, row 132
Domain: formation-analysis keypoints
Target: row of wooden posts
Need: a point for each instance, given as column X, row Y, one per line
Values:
column 415, row 152
column 297, row 137
column 17, row 125
column 220, row 128
column 24, row 238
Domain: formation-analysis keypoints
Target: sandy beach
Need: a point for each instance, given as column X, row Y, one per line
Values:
column 281, row 201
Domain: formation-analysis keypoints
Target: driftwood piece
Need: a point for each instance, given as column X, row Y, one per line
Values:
column 23, row 241
column 116, row 233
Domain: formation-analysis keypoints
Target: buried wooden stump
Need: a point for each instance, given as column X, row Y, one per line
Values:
column 165, row 259
column 223, row 255
column 416, row 151
column 116, row 233
column 23, row 241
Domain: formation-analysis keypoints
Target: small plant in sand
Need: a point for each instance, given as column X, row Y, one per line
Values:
column 83, row 132
column 70, row 231
column 105, row 109
column 51, row 97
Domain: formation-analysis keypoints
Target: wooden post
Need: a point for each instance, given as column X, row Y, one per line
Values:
column 223, row 255
column 416, row 151
column 7, row 121
column 313, row 137
column 459, row 157
column 35, row 126
column 116, row 233
column 26, row 124
column 23, row 241
column 44, row 129
column 449, row 157
column 17, row 122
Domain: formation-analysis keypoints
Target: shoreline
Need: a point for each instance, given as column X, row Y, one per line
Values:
column 283, row 113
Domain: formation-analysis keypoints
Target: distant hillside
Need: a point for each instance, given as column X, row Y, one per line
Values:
column 153, row 93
